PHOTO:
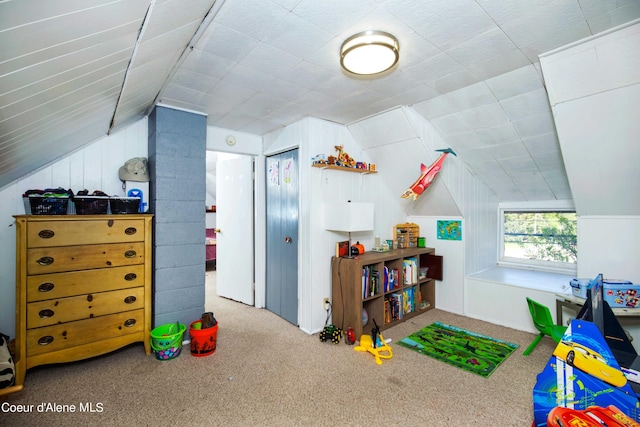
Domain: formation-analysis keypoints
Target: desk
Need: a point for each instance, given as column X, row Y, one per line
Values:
column 575, row 303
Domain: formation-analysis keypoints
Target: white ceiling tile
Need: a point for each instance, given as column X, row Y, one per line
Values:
column 507, row 151
column 500, row 134
column 485, row 166
column 225, row 42
column 254, row 18
column 485, row 116
column 471, row 96
column 453, row 81
column 464, row 140
column 247, row 77
column 451, row 123
column 507, row 85
column 433, row 68
column 284, row 90
column 443, row 24
column 527, row 104
column 496, row 65
column 549, row 161
column 205, row 63
column 517, row 165
column 436, row 107
column 268, row 60
column 195, row 81
column 539, row 124
column 544, row 143
column 415, row 95
column 489, row 44
column 323, row 14
column 298, row 37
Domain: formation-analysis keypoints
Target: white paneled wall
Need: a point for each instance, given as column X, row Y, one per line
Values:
column 95, row 167
column 318, row 189
column 594, row 90
column 609, row 245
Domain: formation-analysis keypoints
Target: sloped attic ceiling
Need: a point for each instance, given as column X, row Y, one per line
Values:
column 72, row 70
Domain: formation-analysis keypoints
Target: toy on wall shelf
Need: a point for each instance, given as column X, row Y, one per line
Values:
column 344, row 159
column 427, row 175
column 319, row 159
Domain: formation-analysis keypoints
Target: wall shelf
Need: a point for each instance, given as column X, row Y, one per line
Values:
column 342, row 168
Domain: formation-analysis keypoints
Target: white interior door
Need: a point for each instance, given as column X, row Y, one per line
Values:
column 234, row 238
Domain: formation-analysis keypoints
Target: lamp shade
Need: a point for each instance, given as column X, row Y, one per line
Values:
column 348, row 216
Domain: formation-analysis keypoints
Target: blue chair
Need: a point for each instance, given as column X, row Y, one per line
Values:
column 544, row 323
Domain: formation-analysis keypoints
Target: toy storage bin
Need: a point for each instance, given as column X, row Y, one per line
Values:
column 89, row 205
column 203, row 341
column 166, row 340
column 41, row 205
column 124, row 205
column 579, row 287
column 621, row 294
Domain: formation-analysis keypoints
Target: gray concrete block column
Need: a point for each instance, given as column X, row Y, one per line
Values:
column 177, row 164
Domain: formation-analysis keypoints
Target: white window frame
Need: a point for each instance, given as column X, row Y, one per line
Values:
column 546, row 206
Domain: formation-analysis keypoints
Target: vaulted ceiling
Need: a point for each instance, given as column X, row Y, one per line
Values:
column 72, row 71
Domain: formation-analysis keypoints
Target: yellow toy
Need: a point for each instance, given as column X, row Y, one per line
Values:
column 380, row 349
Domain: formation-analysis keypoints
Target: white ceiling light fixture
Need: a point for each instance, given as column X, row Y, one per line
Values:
column 369, row 52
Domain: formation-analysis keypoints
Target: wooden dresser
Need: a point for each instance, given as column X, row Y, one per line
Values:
column 83, row 286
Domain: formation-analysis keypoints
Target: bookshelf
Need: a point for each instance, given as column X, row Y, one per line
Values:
column 388, row 285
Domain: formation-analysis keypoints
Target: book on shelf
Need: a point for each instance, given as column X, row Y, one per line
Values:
column 410, row 270
column 342, row 249
column 370, row 281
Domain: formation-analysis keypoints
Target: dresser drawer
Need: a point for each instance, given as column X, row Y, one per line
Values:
column 68, row 233
column 62, row 310
column 67, row 335
column 72, row 258
column 59, row 285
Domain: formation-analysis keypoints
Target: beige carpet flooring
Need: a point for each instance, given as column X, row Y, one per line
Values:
column 266, row 372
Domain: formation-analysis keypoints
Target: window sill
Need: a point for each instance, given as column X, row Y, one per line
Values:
column 530, row 279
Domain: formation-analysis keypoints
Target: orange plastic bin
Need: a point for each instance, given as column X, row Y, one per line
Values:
column 203, row 341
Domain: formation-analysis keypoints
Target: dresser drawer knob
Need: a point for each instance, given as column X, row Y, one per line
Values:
column 89, row 297
column 130, row 277
column 46, row 234
column 46, row 287
column 130, row 231
column 130, row 254
column 45, row 314
column 46, row 340
column 129, row 322
column 45, row 260
column 130, row 299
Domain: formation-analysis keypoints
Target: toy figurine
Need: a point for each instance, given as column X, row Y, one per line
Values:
column 427, row 175
column 350, row 336
column 343, row 158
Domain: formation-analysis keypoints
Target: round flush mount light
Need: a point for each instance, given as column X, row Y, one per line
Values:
column 369, row 52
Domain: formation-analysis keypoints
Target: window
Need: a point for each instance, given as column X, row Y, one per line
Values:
column 544, row 239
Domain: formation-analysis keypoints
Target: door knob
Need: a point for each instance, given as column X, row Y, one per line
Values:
column 217, row 230
column 287, row 239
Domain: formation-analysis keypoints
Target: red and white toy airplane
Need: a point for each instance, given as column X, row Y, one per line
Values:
column 428, row 174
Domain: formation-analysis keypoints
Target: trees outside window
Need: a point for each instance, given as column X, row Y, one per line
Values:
column 540, row 238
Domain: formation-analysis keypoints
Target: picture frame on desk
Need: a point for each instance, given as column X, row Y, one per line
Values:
column 342, row 249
